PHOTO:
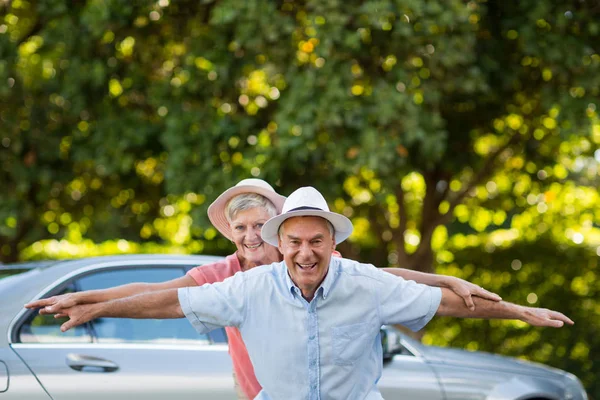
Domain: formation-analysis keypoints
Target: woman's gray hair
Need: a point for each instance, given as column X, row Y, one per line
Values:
column 247, row 201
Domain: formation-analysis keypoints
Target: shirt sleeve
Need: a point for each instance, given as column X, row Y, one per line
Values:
column 198, row 275
column 214, row 305
column 406, row 302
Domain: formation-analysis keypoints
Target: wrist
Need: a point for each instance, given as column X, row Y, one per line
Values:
column 86, row 297
column 78, row 298
column 516, row 311
column 95, row 310
column 445, row 281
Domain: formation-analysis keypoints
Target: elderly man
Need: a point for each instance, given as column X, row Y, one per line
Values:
column 311, row 323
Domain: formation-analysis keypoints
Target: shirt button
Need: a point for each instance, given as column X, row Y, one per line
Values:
column 311, row 337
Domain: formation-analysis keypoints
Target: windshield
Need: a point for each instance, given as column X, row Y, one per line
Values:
column 4, row 273
column 7, row 270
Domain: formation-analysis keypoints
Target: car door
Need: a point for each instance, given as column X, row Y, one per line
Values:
column 407, row 376
column 120, row 359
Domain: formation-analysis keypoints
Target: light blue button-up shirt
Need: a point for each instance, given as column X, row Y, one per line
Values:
column 329, row 348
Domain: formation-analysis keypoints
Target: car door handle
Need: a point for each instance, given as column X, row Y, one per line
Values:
column 80, row 362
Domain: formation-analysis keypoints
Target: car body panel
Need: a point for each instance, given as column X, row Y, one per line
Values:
column 498, row 376
column 154, row 372
column 21, row 383
column 3, row 377
column 479, row 360
column 412, row 377
column 461, row 383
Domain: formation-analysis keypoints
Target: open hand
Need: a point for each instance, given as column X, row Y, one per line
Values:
column 544, row 317
column 54, row 304
column 78, row 315
column 466, row 290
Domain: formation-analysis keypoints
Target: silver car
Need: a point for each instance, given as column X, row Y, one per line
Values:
column 121, row 359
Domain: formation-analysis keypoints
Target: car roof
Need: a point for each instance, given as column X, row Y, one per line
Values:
column 27, row 264
column 123, row 257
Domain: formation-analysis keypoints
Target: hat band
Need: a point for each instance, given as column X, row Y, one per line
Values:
column 305, row 208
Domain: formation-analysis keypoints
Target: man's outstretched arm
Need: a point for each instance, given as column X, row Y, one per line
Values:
column 154, row 305
column 464, row 289
column 453, row 305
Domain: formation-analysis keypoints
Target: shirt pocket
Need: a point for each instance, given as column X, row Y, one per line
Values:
column 349, row 342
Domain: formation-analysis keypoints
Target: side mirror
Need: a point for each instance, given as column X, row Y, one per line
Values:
column 390, row 342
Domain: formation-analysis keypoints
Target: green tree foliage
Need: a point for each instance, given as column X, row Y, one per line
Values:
column 457, row 135
column 541, row 272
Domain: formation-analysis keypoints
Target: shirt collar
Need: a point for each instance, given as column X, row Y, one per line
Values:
column 326, row 285
column 288, row 281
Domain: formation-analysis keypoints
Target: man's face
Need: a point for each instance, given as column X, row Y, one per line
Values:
column 306, row 245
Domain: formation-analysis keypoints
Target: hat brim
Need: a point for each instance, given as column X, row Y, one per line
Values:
column 342, row 225
column 216, row 211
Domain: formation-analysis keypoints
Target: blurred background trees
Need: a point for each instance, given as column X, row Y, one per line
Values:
column 459, row 136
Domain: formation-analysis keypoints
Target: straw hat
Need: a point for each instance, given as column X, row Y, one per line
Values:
column 306, row 201
column 216, row 211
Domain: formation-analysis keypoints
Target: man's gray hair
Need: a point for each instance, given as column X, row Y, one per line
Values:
column 247, row 201
column 329, row 226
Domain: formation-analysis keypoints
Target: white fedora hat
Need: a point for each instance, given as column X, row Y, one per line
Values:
column 216, row 211
column 306, row 201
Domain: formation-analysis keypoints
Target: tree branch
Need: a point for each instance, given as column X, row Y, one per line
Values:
column 374, row 220
column 34, row 31
column 431, row 202
column 398, row 233
column 483, row 173
column 422, row 258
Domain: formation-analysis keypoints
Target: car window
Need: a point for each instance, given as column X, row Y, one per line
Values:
column 126, row 330
column 404, row 351
column 46, row 329
column 391, row 342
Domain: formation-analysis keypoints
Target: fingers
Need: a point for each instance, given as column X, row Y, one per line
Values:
column 53, row 309
column 549, row 323
column 554, row 323
column 478, row 291
column 486, row 294
column 40, row 303
column 72, row 323
column 67, row 325
column 549, row 318
column 468, row 301
column 561, row 317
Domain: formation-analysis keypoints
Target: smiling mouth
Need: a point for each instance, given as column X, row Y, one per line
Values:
column 306, row 267
column 253, row 246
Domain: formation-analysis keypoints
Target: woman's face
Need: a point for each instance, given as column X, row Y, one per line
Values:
column 245, row 232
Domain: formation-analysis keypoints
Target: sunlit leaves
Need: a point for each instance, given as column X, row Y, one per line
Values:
column 151, row 169
column 258, row 89
column 521, row 273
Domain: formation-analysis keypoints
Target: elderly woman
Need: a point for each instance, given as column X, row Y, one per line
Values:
column 239, row 214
